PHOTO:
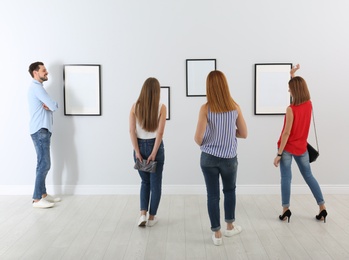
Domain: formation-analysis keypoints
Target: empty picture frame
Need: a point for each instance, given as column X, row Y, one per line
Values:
column 196, row 74
column 82, row 89
column 271, row 88
column 165, row 99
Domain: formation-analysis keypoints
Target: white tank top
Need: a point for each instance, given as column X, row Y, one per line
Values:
column 143, row 134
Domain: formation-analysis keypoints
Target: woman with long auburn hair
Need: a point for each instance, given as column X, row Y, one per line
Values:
column 147, row 125
column 219, row 125
column 293, row 144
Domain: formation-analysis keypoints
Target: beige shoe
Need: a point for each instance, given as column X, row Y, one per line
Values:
column 152, row 222
column 217, row 241
column 142, row 221
column 236, row 230
column 50, row 198
column 43, row 204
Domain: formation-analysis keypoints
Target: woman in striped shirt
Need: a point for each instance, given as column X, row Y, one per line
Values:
column 220, row 123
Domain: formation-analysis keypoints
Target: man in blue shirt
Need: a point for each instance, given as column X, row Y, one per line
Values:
column 41, row 108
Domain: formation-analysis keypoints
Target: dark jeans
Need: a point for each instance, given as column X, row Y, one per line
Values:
column 213, row 167
column 151, row 184
column 42, row 141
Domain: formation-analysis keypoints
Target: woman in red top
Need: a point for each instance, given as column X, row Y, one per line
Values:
column 293, row 144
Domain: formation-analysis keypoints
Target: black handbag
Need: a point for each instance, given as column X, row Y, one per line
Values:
column 313, row 153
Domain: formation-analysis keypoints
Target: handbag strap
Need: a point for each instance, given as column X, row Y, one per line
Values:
column 317, row 144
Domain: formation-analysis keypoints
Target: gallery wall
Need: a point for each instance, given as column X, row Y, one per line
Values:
column 135, row 39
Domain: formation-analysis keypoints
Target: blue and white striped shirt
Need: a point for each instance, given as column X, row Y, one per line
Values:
column 220, row 134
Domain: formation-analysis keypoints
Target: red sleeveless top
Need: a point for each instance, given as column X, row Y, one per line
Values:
column 297, row 141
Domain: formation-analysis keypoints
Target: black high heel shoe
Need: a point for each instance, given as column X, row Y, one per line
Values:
column 287, row 214
column 322, row 214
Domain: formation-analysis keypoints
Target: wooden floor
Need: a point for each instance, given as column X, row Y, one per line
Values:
column 105, row 227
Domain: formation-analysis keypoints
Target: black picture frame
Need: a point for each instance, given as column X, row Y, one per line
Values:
column 271, row 88
column 196, row 74
column 165, row 99
column 82, row 90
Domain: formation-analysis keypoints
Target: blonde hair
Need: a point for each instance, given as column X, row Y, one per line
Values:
column 218, row 94
column 147, row 105
column 299, row 90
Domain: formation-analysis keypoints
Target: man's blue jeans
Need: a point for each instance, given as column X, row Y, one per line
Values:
column 151, row 184
column 42, row 141
column 286, row 177
column 213, row 167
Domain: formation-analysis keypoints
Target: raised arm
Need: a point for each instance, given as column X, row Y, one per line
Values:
column 294, row 69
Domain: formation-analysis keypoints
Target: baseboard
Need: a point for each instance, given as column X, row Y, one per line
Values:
column 167, row 189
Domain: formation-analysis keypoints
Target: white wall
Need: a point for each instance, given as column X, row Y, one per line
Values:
column 133, row 40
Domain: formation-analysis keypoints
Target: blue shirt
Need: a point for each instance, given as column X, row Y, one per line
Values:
column 40, row 117
column 220, row 134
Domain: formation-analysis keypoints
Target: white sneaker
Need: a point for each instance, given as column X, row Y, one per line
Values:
column 43, row 204
column 236, row 230
column 142, row 221
column 152, row 222
column 50, row 198
column 217, row 241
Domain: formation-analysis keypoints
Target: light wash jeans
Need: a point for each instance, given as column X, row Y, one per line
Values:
column 42, row 141
column 286, row 177
column 213, row 167
column 151, row 184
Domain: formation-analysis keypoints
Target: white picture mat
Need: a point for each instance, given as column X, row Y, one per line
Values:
column 197, row 71
column 272, row 96
column 82, row 89
column 165, row 99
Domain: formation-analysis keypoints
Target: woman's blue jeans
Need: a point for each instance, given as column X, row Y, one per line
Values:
column 286, row 177
column 42, row 141
column 213, row 167
column 151, row 184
